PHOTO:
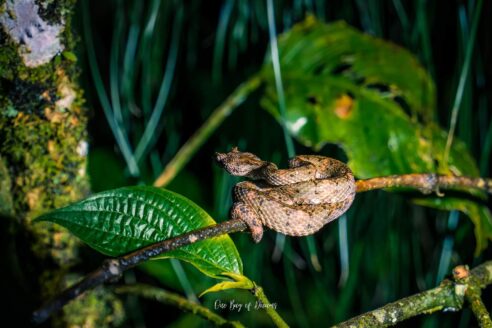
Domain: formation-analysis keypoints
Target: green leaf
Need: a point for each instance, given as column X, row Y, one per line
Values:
column 238, row 282
column 119, row 221
column 370, row 97
column 69, row 55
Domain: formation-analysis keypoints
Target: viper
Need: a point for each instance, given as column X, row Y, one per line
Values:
column 297, row 201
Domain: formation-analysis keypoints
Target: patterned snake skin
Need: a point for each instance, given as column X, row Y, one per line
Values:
column 297, row 201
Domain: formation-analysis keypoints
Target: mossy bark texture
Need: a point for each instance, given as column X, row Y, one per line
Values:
column 450, row 295
column 43, row 146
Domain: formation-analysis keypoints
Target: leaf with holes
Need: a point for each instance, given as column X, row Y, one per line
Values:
column 370, row 97
column 119, row 221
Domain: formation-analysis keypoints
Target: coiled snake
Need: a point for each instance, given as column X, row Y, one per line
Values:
column 297, row 201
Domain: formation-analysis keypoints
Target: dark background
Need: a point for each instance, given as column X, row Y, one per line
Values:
column 395, row 248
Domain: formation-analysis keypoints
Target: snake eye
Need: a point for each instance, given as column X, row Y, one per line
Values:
column 220, row 157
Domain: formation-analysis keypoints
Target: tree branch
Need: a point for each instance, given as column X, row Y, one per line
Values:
column 473, row 295
column 178, row 301
column 479, row 309
column 449, row 296
column 425, row 182
column 113, row 268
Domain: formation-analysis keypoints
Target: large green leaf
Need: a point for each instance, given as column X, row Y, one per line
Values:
column 119, row 221
column 370, row 97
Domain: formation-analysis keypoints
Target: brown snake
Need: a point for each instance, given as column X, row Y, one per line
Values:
column 297, row 201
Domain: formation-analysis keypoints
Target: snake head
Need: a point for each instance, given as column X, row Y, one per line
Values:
column 239, row 163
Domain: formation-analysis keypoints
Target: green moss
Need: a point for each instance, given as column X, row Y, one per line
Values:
column 39, row 140
column 6, row 203
column 9, row 58
column 47, row 170
column 96, row 308
column 42, row 166
column 41, row 74
column 52, row 11
column 51, row 158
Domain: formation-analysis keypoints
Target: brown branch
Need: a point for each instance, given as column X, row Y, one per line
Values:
column 113, row 268
column 450, row 295
column 425, row 182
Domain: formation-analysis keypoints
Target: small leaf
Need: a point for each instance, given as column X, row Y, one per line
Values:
column 69, row 55
column 238, row 282
column 119, row 221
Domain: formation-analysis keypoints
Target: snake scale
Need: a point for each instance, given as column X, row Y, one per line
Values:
column 297, row 201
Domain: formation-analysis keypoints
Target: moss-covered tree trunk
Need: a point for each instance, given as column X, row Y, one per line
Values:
column 43, row 152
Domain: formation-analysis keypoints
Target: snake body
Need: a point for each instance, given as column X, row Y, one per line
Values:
column 297, row 201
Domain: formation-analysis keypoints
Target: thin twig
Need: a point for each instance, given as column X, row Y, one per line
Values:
column 425, row 182
column 178, row 301
column 187, row 151
column 448, row 296
column 113, row 268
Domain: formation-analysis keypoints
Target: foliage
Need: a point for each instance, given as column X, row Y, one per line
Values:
column 120, row 221
column 385, row 248
column 154, row 71
column 375, row 101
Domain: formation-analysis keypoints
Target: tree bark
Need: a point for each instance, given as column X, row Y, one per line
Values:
column 43, row 153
